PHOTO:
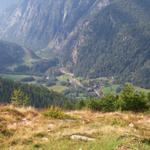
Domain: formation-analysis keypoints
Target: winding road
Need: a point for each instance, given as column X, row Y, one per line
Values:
column 76, row 81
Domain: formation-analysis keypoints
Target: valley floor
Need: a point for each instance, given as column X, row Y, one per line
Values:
column 29, row 129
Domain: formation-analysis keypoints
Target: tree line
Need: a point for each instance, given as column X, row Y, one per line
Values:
column 18, row 94
column 28, row 94
column 129, row 99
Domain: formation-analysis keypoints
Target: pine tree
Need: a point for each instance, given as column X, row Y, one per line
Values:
column 133, row 100
column 18, row 98
column 26, row 101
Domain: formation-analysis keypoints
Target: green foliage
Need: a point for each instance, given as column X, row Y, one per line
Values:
column 26, row 101
column 18, row 98
column 128, row 100
column 105, row 104
column 148, row 95
column 116, row 43
column 39, row 96
column 94, row 104
column 132, row 100
column 55, row 112
column 108, row 103
column 10, row 54
column 80, row 104
column 40, row 134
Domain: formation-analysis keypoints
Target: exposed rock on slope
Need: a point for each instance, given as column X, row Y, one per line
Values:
column 47, row 22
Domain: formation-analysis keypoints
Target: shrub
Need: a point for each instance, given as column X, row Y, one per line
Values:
column 69, row 105
column 128, row 100
column 55, row 112
column 40, row 134
column 80, row 104
column 94, row 104
column 132, row 100
column 108, row 103
column 105, row 104
column 148, row 98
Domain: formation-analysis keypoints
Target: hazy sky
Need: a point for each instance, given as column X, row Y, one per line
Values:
column 6, row 3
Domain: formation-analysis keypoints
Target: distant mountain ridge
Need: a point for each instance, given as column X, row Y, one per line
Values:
column 42, row 23
column 93, row 37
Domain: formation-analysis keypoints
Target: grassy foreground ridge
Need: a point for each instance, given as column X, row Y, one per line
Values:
column 54, row 129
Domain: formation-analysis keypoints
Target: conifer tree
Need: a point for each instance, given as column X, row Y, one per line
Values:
column 18, row 98
column 26, row 101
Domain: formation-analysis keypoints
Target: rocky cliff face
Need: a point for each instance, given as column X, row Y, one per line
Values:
column 41, row 23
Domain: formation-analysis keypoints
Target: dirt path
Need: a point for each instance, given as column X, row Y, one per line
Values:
column 72, row 77
column 76, row 81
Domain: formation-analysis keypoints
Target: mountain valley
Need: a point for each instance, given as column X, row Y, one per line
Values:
column 74, row 74
column 92, row 39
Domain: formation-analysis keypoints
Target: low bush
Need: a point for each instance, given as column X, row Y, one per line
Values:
column 55, row 112
column 94, row 105
column 132, row 100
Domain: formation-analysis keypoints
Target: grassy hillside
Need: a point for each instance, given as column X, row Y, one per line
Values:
column 31, row 129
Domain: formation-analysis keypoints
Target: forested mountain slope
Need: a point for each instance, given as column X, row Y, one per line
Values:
column 116, row 42
column 14, row 57
column 10, row 54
